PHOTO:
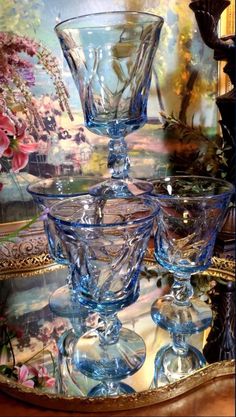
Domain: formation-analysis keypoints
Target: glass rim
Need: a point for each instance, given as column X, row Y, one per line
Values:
column 114, row 12
column 62, row 178
column 80, row 225
column 227, row 184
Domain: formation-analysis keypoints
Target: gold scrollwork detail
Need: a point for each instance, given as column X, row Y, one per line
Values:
column 25, row 265
column 223, row 264
column 23, row 248
column 26, row 247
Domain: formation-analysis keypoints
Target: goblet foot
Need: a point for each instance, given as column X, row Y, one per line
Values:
column 112, row 362
column 110, row 389
column 170, row 366
column 118, row 188
column 65, row 381
column 183, row 319
column 62, row 302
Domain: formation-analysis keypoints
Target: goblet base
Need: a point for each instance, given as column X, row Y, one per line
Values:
column 68, row 381
column 170, row 366
column 120, row 188
column 188, row 319
column 109, row 362
column 61, row 302
column 110, row 389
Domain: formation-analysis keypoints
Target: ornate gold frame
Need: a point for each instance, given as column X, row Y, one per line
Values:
column 227, row 27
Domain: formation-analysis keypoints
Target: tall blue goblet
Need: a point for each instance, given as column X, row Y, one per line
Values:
column 110, row 56
column 105, row 241
column 192, row 210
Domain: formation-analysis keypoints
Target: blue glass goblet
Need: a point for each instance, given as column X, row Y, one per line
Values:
column 192, row 210
column 46, row 192
column 105, row 240
column 110, row 56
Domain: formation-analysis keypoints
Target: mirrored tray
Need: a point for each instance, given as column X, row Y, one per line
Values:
column 29, row 332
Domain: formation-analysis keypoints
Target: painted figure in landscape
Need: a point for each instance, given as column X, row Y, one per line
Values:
column 182, row 127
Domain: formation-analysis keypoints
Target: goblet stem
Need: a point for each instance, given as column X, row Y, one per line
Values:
column 182, row 290
column 179, row 311
column 180, row 345
column 118, row 160
column 176, row 360
column 109, row 330
column 110, row 389
column 117, row 357
column 69, row 277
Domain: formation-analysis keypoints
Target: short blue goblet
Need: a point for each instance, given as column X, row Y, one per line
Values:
column 46, row 192
column 192, row 210
column 105, row 240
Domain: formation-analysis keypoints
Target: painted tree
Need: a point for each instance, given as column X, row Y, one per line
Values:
column 184, row 72
column 20, row 17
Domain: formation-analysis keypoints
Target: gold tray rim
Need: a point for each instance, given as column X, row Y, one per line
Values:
column 123, row 402
column 220, row 267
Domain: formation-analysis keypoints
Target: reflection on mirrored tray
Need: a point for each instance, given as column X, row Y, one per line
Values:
column 38, row 349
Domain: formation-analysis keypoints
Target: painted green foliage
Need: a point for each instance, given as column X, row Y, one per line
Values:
column 21, row 17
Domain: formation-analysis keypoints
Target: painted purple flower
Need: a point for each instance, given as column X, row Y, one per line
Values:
column 28, row 75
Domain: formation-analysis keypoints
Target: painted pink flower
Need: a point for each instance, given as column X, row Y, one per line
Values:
column 34, row 375
column 25, row 376
column 4, row 142
column 6, row 126
column 15, row 143
column 43, row 377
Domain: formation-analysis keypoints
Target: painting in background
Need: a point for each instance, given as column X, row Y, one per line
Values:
column 181, row 135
